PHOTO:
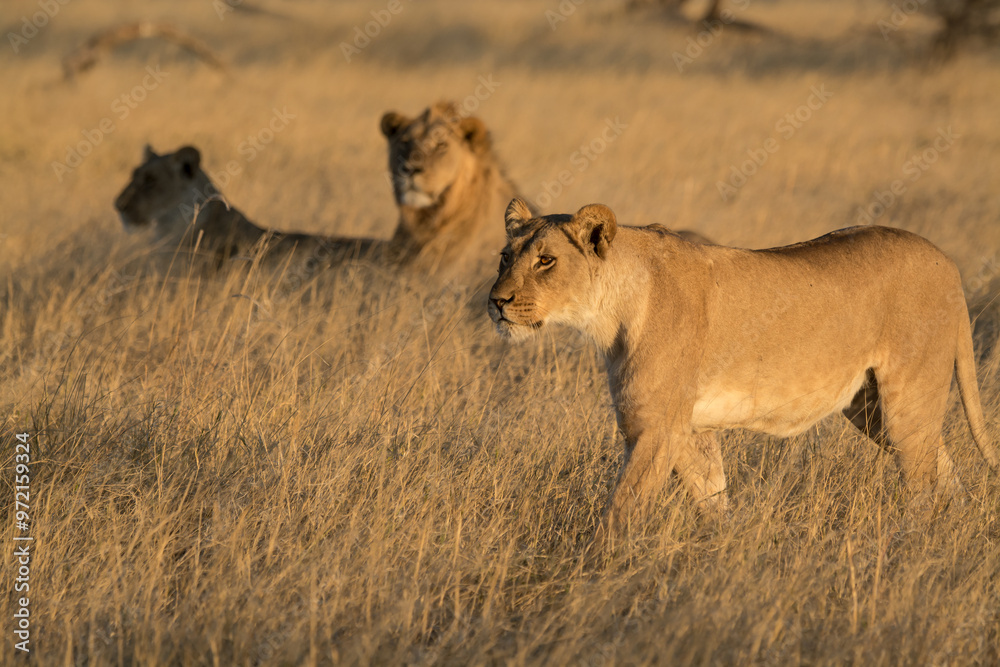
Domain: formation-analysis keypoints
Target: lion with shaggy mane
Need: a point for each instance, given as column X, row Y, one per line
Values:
column 449, row 187
column 868, row 321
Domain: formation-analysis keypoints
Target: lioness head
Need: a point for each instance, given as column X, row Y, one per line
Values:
column 428, row 154
column 164, row 191
column 549, row 267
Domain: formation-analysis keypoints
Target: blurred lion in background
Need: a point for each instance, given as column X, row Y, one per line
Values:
column 449, row 186
column 174, row 198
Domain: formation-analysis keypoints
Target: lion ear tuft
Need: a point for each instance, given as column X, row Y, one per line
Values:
column 597, row 227
column 391, row 122
column 517, row 214
column 148, row 153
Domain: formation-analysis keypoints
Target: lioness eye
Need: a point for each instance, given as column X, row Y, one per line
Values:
column 545, row 260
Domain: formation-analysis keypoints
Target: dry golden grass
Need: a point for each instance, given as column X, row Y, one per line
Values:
column 358, row 471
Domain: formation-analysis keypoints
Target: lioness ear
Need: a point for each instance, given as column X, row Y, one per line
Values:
column 597, row 225
column 475, row 134
column 189, row 160
column 517, row 214
column 391, row 122
column 148, row 153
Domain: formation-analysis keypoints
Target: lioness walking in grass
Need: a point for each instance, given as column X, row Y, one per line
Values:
column 870, row 321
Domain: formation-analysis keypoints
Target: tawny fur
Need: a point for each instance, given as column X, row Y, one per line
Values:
column 449, row 187
column 868, row 321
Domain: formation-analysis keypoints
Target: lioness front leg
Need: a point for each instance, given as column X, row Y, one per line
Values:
column 645, row 469
column 697, row 459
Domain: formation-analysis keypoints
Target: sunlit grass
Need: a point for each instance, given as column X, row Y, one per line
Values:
column 228, row 471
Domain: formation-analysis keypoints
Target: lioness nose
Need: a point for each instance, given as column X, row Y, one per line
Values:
column 500, row 302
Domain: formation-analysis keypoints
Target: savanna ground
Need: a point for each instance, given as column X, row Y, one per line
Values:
column 226, row 472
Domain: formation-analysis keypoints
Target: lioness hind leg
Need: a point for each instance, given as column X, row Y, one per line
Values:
column 699, row 465
column 947, row 479
column 914, row 418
